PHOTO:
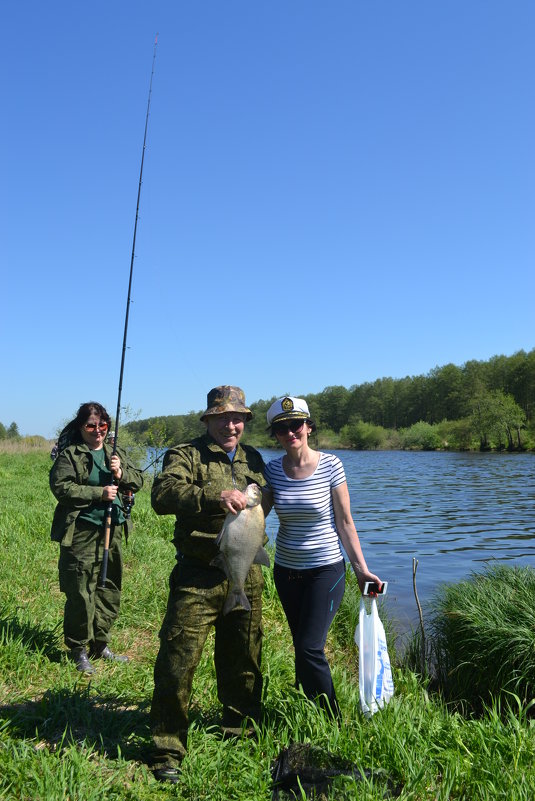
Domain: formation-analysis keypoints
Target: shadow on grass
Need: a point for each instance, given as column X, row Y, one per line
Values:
column 207, row 719
column 109, row 726
column 61, row 718
column 32, row 638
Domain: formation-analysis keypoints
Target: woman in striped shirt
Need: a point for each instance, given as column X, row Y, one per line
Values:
column 309, row 491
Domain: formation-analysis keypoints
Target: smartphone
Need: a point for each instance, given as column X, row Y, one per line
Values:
column 371, row 586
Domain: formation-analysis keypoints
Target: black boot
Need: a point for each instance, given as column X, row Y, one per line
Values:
column 170, row 775
column 81, row 660
column 101, row 650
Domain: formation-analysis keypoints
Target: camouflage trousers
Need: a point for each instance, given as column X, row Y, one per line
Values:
column 196, row 598
column 89, row 609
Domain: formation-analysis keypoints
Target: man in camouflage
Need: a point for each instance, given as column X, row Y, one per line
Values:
column 200, row 483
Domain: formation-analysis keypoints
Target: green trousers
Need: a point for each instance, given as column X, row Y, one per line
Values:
column 196, row 598
column 89, row 609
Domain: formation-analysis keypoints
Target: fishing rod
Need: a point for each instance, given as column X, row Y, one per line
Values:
column 157, row 459
column 109, row 509
column 129, row 497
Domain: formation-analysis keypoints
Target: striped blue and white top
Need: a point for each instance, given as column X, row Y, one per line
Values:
column 307, row 535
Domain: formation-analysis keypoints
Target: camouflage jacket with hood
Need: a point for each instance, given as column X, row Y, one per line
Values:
column 190, row 485
column 68, row 481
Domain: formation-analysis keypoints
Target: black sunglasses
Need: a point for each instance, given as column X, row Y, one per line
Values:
column 292, row 425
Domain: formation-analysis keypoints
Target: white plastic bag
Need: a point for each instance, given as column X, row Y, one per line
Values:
column 376, row 687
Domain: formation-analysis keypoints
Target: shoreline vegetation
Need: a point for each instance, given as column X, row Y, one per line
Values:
column 480, row 406
column 455, row 729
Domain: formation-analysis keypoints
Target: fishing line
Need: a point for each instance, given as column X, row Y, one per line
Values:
column 107, row 520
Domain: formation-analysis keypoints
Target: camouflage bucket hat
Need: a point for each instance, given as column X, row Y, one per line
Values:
column 226, row 399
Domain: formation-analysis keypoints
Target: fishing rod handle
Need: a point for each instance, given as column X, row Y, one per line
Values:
column 103, row 569
column 107, row 531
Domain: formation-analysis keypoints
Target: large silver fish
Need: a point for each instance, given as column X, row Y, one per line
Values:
column 240, row 544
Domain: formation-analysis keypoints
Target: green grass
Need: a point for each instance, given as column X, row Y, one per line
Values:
column 482, row 643
column 65, row 737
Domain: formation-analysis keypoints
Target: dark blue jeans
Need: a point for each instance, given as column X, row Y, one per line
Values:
column 310, row 599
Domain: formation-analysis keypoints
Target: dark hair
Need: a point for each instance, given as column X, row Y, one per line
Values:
column 71, row 433
column 87, row 409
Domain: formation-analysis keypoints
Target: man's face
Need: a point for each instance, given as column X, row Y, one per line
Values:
column 226, row 428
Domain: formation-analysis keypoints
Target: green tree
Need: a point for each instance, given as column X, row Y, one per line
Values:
column 498, row 419
column 446, row 393
column 484, row 417
column 156, row 439
column 456, row 435
column 256, row 429
column 364, row 436
column 13, row 431
column 384, row 403
column 333, row 402
column 417, row 403
column 3, row 432
column 157, row 435
column 512, row 420
column 521, row 381
column 475, row 379
column 421, row 436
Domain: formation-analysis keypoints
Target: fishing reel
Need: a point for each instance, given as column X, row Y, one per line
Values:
column 128, row 501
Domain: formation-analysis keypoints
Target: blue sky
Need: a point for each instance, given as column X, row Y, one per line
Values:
column 332, row 193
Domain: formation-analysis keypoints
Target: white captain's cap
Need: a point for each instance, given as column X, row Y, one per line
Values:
column 288, row 408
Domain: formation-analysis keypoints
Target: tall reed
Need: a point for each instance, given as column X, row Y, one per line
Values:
column 483, row 636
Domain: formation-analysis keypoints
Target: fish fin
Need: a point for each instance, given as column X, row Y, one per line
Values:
column 220, row 562
column 261, row 557
column 219, row 537
column 236, row 600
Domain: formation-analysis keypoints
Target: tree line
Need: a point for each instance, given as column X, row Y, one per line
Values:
column 479, row 405
column 9, row 432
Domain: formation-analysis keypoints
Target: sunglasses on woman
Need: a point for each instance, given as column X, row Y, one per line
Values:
column 102, row 427
column 294, row 426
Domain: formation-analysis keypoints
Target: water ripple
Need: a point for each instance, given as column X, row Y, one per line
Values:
column 453, row 512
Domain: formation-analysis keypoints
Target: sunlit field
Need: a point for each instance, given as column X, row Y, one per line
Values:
column 63, row 736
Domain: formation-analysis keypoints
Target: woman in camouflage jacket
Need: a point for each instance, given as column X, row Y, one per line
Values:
column 85, row 477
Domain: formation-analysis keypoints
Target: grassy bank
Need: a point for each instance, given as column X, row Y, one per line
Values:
column 482, row 637
column 63, row 737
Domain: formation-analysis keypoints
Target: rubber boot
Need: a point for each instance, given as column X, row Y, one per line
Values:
column 81, row 660
column 101, row 650
column 169, row 775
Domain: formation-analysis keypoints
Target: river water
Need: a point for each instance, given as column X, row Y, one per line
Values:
column 453, row 512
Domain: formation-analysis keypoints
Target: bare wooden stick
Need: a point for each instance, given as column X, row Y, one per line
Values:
column 422, row 649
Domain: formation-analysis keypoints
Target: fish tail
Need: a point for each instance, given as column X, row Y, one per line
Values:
column 236, row 599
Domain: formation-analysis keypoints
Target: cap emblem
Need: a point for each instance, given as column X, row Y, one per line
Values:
column 287, row 405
